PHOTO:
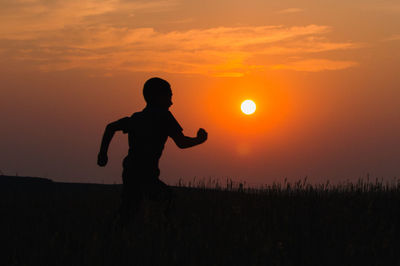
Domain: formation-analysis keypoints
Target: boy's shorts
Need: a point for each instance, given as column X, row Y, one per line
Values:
column 143, row 183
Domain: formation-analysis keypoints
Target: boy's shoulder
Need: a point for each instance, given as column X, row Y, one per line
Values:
column 153, row 113
column 135, row 115
column 145, row 119
column 126, row 123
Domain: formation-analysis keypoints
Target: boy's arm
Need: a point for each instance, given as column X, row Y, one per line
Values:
column 183, row 141
column 109, row 132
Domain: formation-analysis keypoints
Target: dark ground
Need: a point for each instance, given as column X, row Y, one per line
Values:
column 48, row 223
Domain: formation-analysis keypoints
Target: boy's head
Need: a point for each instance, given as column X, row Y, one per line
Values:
column 157, row 92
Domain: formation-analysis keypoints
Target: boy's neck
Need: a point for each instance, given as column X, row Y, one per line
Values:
column 155, row 108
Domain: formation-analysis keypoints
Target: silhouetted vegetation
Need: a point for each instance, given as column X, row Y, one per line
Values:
column 49, row 223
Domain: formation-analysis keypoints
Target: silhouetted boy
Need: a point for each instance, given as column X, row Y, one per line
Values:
column 148, row 131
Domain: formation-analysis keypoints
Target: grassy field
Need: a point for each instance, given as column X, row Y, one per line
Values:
column 48, row 223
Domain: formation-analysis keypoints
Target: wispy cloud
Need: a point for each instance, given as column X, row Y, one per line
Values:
column 181, row 21
column 20, row 19
column 315, row 65
column 73, row 34
column 290, row 10
column 394, row 37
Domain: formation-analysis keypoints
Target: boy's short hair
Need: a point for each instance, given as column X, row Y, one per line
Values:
column 154, row 88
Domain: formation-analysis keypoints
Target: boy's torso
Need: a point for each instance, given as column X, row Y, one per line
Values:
column 148, row 131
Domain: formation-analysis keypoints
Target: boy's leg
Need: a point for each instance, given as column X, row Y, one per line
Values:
column 131, row 197
column 163, row 194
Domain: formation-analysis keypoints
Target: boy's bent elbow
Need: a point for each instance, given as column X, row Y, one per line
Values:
column 181, row 144
column 187, row 142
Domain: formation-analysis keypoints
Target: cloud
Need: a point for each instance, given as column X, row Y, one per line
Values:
column 84, row 34
column 394, row 37
column 315, row 65
column 181, row 21
column 221, row 51
column 290, row 10
column 21, row 19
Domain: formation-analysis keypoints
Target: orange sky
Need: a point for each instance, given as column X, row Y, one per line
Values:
column 324, row 76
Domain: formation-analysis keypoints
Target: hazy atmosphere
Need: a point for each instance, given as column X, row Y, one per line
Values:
column 324, row 76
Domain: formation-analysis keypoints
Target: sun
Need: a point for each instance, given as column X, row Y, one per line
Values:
column 248, row 107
